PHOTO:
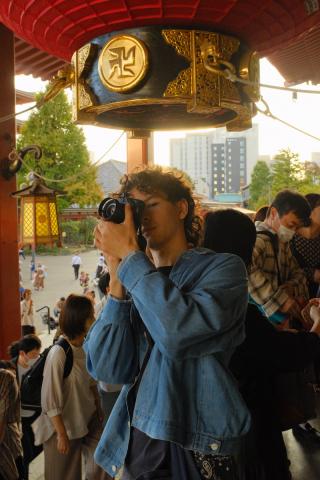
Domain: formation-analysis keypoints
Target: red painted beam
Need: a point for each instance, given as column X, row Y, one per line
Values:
column 9, row 265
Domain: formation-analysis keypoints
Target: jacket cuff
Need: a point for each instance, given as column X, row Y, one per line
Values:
column 275, row 303
column 132, row 268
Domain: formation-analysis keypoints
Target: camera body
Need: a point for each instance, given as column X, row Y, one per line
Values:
column 113, row 210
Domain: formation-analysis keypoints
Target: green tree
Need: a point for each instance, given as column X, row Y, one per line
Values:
column 64, row 153
column 260, row 186
column 287, row 171
column 311, row 182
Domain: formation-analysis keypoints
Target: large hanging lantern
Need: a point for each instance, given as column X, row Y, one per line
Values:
column 38, row 214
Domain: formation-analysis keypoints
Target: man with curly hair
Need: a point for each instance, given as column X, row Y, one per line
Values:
column 170, row 325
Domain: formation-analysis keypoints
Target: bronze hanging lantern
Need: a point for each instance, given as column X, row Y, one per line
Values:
column 39, row 223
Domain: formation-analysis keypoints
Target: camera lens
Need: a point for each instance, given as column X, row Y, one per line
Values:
column 111, row 210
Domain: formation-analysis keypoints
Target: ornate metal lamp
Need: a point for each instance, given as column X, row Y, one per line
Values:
column 39, row 223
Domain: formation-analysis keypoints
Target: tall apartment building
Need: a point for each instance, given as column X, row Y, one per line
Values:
column 315, row 157
column 217, row 161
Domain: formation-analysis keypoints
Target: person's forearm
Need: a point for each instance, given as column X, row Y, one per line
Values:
column 58, row 425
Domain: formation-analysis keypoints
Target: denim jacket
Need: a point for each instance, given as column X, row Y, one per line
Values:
column 187, row 394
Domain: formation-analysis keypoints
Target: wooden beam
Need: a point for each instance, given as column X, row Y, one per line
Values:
column 139, row 151
column 10, row 324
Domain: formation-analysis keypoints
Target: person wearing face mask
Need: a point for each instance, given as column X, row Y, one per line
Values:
column 305, row 246
column 24, row 354
column 276, row 282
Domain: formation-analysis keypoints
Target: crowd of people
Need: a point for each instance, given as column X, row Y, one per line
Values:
column 202, row 349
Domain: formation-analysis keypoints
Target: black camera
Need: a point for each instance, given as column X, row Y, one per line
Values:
column 113, row 210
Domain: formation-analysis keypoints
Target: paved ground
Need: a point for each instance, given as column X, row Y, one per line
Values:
column 60, row 280
column 305, row 460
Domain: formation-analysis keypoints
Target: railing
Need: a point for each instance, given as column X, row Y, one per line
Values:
column 46, row 319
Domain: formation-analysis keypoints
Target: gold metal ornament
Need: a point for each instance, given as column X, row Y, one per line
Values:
column 123, row 63
column 174, row 78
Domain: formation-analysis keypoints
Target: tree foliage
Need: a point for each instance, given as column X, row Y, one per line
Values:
column 64, row 153
column 260, row 187
column 286, row 171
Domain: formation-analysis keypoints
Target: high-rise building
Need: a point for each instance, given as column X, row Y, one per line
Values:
column 315, row 157
column 217, row 161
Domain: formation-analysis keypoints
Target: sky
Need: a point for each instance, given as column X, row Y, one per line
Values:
column 302, row 112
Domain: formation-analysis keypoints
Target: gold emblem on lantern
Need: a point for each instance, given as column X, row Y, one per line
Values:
column 123, row 63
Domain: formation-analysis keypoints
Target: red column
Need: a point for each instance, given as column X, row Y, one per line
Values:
column 9, row 265
column 139, row 150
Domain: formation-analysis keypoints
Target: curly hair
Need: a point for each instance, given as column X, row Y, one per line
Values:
column 175, row 186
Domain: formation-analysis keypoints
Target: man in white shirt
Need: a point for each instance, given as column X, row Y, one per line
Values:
column 76, row 262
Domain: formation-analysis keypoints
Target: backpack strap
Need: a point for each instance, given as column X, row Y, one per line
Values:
column 275, row 247
column 63, row 343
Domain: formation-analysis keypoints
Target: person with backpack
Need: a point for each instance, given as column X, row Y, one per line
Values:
column 276, row 282
column 25, row 353
column 70, row 423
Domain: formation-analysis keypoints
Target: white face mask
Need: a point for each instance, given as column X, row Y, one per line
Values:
column 31, row 361
column 285, row 234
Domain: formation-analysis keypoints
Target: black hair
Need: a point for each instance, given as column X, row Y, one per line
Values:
column 26, row 344
column 288, row 201
column 7, row 365
column 75, row 312
column 313, row 199
column 103, row 283
column 175, row 186
column 230, row 231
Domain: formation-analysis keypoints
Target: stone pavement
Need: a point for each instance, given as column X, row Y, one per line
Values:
column 60, row 279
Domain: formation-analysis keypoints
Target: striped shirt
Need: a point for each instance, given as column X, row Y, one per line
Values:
column 264, row 285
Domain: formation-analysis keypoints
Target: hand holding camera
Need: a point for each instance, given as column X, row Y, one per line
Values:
column 119, row 231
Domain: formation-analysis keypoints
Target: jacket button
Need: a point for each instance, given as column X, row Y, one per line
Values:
column 114, row 468
column 214, row 446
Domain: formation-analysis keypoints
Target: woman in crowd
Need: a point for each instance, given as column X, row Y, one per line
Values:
column 11, row 467
column 24, row 354
column 264, row 353
column 305, row 246
column 27, row 318
column 70, row 423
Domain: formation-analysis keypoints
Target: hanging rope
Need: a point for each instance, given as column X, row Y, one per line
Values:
column 13, row 115
column 227, row 70
column 269, row 114
column 76, row 175
column 63, row 79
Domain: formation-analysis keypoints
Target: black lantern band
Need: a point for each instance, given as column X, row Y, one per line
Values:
column 156, row 78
